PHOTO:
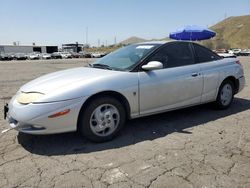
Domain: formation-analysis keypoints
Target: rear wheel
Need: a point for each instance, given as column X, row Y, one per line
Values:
column 102, row 119
column 225, row 94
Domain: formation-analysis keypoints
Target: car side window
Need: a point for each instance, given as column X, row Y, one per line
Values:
column 174, row 55
column 204, row 55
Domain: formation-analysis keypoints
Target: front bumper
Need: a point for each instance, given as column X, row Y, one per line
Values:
column 6, row 110
column 34, row 118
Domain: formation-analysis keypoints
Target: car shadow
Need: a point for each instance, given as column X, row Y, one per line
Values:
column 135, row 131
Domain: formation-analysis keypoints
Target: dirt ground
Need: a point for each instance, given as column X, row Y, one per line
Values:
column 195, row 147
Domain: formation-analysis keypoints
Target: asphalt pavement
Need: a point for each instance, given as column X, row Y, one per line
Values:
column 194, row 147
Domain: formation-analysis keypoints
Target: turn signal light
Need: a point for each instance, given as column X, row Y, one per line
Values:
column 64, row 112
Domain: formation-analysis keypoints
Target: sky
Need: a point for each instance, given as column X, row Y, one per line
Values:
column 54, row 22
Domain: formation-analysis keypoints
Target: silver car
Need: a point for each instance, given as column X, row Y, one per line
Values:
column 134, row 81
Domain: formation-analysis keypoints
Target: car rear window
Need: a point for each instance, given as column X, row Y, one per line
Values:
column 204, row 55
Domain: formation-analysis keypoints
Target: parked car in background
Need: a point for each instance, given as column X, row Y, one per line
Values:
column 82, row 54
column 96, row 54
column 12, row 55
column 34, row 56
column 45, row 56
column 56, row 55
column 220, row 51
column 75, row 55
column 245, row 52
column 66, row 55
column 227, row 55
column 134, row 81
column 87, row 55
column 234, row 51
column 20, row 56
column 5, row 57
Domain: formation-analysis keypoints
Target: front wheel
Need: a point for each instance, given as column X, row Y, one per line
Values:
column 225, row 95
column 102, row 119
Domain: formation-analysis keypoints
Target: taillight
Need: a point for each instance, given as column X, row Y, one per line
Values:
column 238, row 62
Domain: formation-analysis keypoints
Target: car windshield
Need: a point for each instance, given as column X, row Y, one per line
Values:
column 126, row 58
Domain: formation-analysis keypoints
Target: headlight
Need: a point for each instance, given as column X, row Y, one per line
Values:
column 26, row 98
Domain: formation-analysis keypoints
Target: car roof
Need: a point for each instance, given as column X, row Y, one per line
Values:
column 162, row 42
column 154, row 42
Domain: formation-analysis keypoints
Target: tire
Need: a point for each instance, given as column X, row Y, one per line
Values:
column 225, row 95
column 101, row 119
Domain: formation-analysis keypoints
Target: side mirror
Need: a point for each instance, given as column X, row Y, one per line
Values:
column 152, row 65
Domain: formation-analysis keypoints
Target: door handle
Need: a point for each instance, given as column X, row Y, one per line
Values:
column 194, row 74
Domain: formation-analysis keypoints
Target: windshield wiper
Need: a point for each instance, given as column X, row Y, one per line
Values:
column 102, row 66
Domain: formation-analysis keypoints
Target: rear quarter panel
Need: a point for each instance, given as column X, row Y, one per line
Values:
column 215, row 73
column 228, row 67
column 210, row 72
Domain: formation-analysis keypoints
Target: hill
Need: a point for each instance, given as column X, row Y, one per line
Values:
column 133, row 40
column 233, row 32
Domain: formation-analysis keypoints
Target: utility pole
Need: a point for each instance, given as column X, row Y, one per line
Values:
column 87, row 35
column 83, row 42
column 225, row 16
column 98, row 42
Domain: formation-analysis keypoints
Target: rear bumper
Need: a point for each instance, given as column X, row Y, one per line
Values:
column 241, row 83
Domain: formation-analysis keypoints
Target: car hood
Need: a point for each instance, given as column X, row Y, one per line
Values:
column 63, row 79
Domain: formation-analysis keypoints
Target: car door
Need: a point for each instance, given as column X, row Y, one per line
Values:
column 210, row 67
column 178, row 84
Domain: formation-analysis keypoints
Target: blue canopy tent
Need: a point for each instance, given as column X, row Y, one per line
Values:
column 192, row 33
